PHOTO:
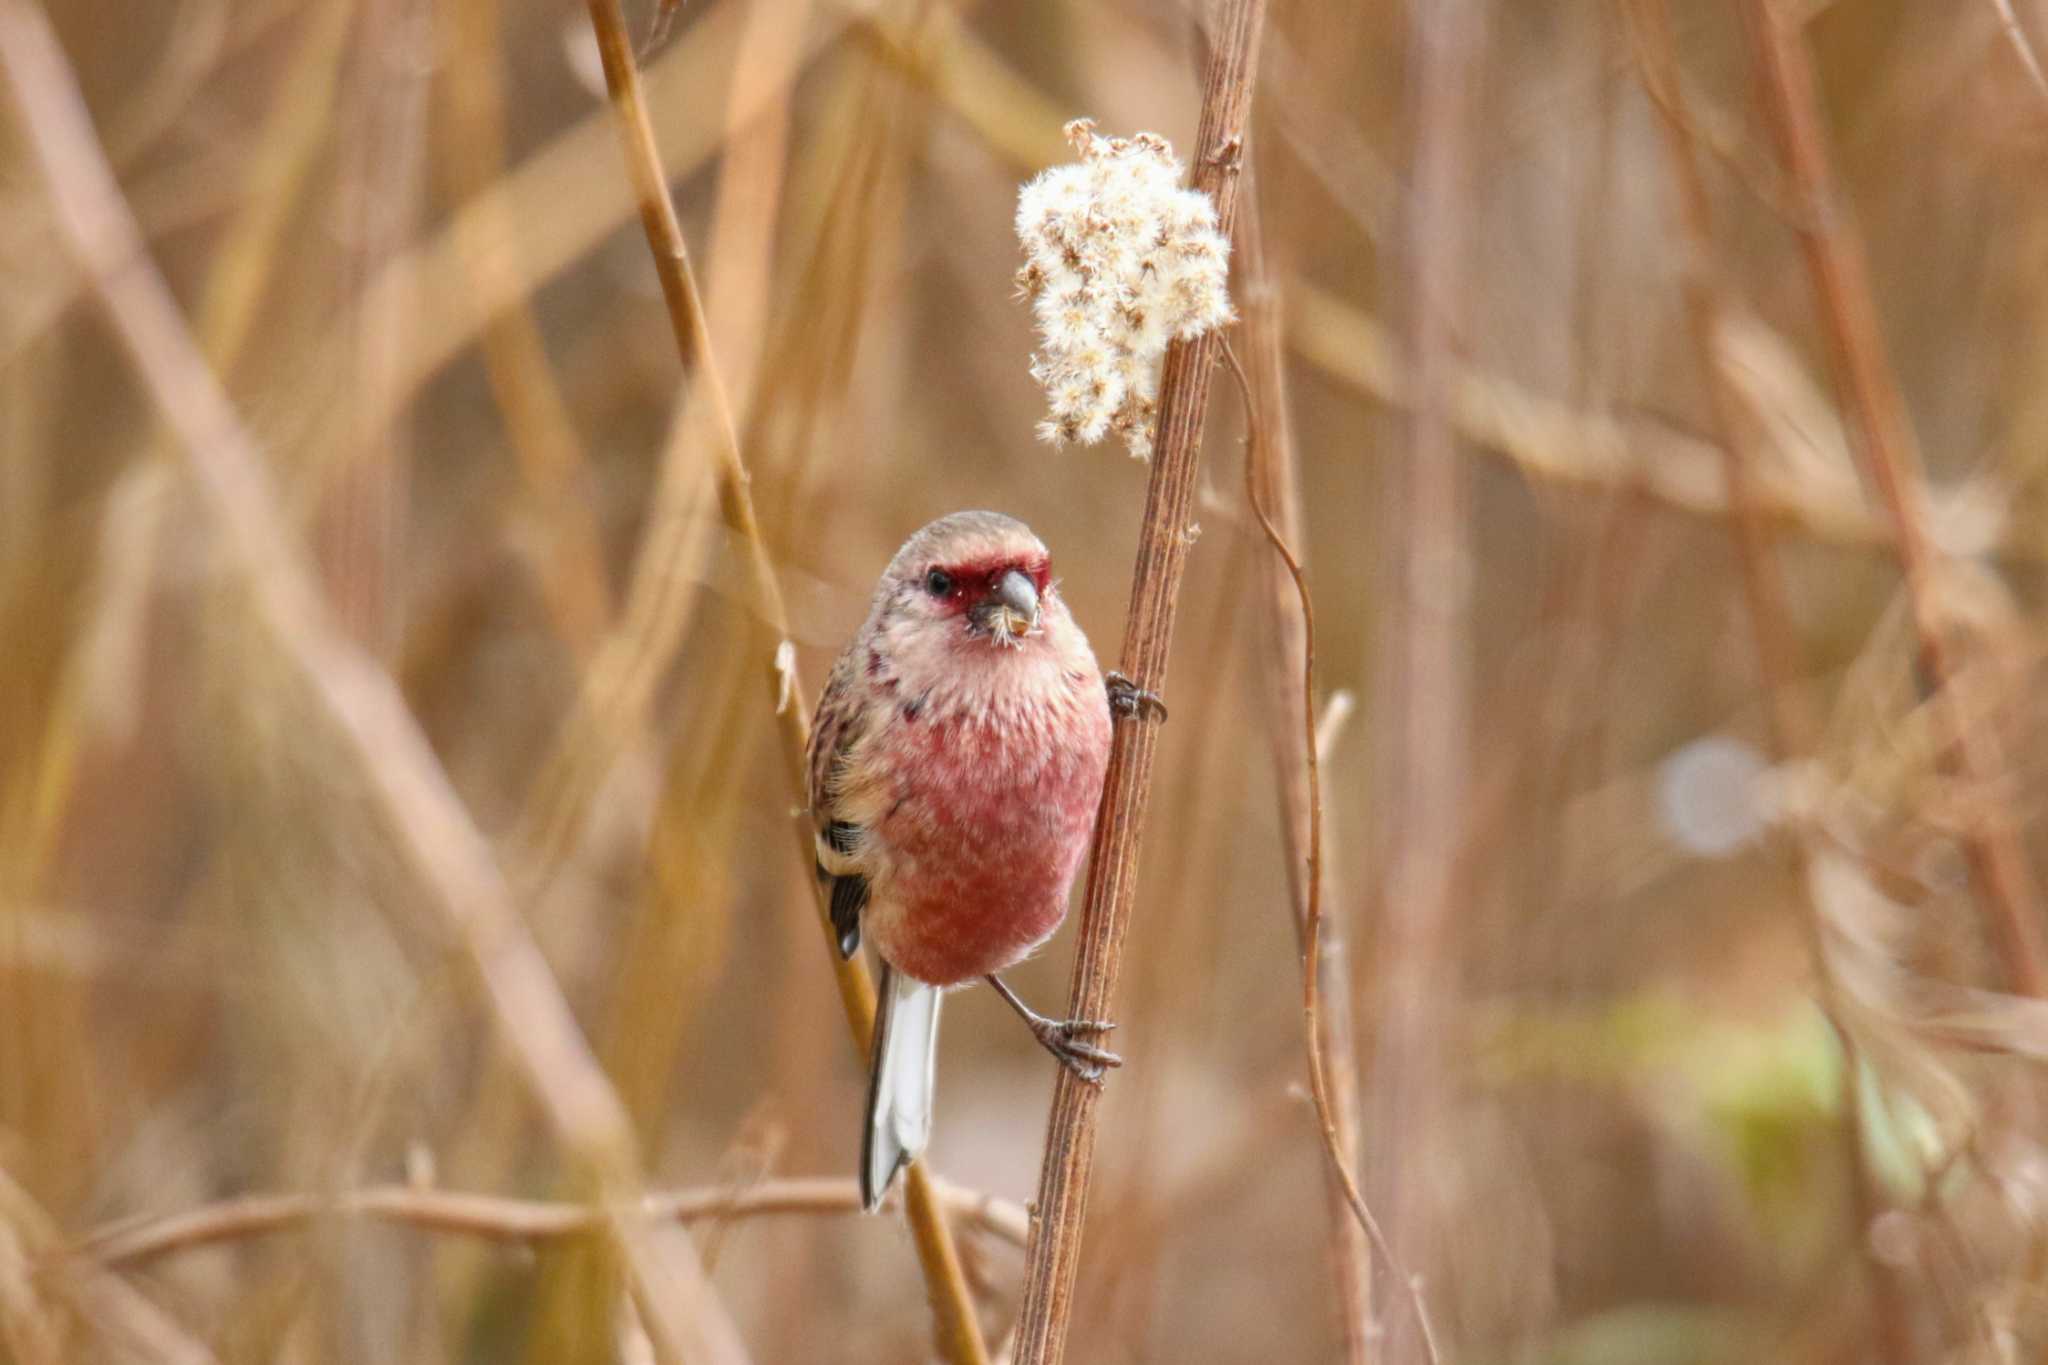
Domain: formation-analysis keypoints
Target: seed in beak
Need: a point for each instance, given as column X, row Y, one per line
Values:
column 1009, row 610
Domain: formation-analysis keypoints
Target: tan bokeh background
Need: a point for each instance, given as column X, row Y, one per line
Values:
column 402, row 232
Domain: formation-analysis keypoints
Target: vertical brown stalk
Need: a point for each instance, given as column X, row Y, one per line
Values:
column 1275, row 478
column 1423, row 683
column 750, row 188
column 358, row 532
column 568, row 559
column 958, row 1332
column 1882, row 435
column 1053, row 1263
column 243, row 269
column 1793, row 727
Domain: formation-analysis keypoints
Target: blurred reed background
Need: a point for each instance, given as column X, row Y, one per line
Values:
column 1581, row 858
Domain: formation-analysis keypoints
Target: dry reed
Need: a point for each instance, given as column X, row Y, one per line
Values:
column 1054, row 1264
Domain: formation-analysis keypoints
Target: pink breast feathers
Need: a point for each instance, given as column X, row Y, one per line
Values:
column 990, row 819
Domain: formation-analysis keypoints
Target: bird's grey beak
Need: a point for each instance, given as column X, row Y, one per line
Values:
column 1010, row 611
column 1019, row 594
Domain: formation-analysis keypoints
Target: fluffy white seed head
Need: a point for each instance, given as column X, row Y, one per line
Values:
column 1119, row 261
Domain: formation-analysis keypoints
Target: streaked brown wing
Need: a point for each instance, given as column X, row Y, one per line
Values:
column 836, row 728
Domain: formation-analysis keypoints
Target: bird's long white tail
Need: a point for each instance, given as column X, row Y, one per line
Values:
column 900, row 1084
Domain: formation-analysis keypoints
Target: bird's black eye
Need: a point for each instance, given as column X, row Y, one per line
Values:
column 938, row 582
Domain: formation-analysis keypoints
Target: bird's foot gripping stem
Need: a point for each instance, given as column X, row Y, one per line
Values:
column 1063, row 1038
column 1126, row 698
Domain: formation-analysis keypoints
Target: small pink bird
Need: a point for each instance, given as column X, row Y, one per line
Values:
column 956, row 766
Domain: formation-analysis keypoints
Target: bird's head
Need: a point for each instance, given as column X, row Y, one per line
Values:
column 981, row 574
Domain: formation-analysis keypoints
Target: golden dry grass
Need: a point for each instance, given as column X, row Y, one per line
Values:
column 1608, row 906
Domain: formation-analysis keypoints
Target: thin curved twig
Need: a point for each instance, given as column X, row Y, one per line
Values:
column 1272, row 465
column 1319, row 1085
column 490, row 1218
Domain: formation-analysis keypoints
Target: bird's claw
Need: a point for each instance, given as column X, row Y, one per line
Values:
column 1126, row 698
column 1085, row 1060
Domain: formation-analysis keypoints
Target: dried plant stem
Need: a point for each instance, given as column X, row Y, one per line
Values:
column 1422, row 686
column 1786, row 710
column 356, row 530
column 435, row 836
column 1788, row 714
column 626, row 668
column 124, row 1319
column 27, row 1327
column 1315, row 1025
column 297, row 128
column 1053, row 1264
column 1882, row 436
column 567, row 560
column 494, row 1219
column 1272, row 489
column 2022, row 48
column 957, row 1329
column 1553, row 442
column 750, row 188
